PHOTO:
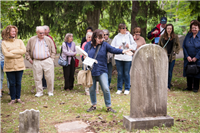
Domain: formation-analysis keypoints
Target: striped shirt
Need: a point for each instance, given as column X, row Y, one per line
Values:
column 41, row 50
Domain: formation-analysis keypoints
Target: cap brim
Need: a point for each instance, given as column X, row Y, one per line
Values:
column 163, row 22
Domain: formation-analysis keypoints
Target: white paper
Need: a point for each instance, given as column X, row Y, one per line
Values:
column 80, row 51
column 89, row 61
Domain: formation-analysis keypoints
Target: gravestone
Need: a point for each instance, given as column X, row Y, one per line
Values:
column 72, row 127
column 149, row 79
column 29, row 121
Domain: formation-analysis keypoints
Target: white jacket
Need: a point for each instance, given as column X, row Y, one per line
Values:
column 117, row 42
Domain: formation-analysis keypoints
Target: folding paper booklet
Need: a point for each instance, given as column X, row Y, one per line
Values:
column 80, row 51
column 89, row 62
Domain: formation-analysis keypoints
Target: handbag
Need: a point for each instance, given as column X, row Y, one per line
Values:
column 192, row 69
column 76, row 62
column 84, row 77
column 61, row 61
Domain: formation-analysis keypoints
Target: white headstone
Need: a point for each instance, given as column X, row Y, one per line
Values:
column 149, row 78
column 29, row 121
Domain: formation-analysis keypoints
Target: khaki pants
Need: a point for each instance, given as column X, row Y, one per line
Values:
column 47, row 66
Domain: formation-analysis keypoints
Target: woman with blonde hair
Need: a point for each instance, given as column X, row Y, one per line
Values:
column 13, row 50
column 123, row 40
column 69, row 53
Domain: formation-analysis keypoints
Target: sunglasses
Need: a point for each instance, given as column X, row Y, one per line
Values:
column 123, row 28
column 105, row 34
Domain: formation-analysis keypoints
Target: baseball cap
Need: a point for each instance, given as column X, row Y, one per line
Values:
column 163, row 20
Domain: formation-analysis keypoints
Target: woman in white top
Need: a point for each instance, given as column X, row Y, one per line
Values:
column 123, row 40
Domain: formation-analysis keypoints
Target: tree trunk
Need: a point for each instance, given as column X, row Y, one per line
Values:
column 144, row 23
column 177, row 10
column 141, row 9
column 198, row 18
column 135, row 9
column 93, row 18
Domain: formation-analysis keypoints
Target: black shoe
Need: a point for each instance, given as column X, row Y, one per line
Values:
column 195, row 91
column 111, row 110
column 91, row 109
column 187, row 89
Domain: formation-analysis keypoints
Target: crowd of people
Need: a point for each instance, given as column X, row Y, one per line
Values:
column 41, row 50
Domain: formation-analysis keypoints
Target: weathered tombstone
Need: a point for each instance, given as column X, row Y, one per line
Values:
column 72, row 127
column 149, row 78
column 29, row 121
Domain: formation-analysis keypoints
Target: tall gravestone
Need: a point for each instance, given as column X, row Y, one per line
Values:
column 29, row 121
column 149, row 79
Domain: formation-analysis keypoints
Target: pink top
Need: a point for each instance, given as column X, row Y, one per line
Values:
column 83, row 45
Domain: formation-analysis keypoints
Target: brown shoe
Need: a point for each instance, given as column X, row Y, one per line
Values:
column 11, row 102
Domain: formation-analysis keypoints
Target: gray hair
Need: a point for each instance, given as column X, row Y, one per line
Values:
column 88, row 34
column 105, row 30
column 39, row 28
column 46, row 27
column 67, row 36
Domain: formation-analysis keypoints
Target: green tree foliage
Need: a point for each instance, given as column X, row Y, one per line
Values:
column 62, row 16
column 195, row 6
column 146, row 11
column 10, row 12
column 114, row 13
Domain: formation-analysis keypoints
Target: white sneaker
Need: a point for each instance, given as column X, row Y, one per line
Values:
column 119, row 92
column 50, row 94
column 126, row 92
column 38, row 95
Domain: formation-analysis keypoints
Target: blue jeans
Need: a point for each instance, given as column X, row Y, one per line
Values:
column 15, row 78
column 2, row 76
column 123, row 69
column 171, row 66
column 103, row 80
column 109, row 65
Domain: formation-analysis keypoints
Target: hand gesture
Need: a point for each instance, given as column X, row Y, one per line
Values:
column 31, row 61
column 127, row 45
column 189, row 59
column 194, row 59
column 155, row 32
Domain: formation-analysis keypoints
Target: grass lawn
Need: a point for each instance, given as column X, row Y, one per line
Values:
column 64, row 106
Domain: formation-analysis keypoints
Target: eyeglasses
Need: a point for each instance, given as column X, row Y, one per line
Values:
column 194, row 28
column 123, row 28
column 41, row 33
column 106, row 34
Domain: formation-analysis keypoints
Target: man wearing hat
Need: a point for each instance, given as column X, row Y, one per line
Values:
column 157, row 31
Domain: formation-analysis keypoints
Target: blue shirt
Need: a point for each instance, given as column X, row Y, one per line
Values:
column 101, row 66
column 191, row 47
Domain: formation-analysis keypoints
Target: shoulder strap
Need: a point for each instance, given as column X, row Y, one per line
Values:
column 166, row 42
column 97, row 51
column 161, row 31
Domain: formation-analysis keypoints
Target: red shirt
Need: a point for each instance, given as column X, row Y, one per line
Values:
column 53, row 42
